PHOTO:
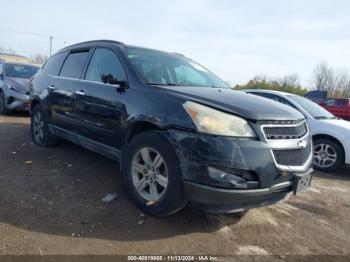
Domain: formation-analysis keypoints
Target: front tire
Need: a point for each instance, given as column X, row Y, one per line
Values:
column 152, row 174
column 328, row 155
column 39, row 128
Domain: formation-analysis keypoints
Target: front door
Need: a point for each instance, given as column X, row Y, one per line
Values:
column 99, row 104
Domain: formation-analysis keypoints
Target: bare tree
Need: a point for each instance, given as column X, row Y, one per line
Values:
column 290, row 80
column 38, row 59
column 343, row 83
column 322, row 76
column 336, row 82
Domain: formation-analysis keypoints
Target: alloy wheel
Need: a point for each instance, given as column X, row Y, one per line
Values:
column 149, row 174
column 38, row 126
column 324, row 155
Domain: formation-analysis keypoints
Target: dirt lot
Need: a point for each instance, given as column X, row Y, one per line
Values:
column 52, row 205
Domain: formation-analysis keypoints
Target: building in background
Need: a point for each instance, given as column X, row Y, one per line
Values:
column 14, row 58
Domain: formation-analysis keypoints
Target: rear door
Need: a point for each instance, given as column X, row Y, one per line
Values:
column 63, row 93
column 99, row 104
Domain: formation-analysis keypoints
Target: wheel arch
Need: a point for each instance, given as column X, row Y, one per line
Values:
column 134, row 129
column 137, row 128
column 33, row 103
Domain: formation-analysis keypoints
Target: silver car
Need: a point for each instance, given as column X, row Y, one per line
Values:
column 14, row 86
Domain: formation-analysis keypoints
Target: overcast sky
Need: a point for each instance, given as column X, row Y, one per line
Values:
column 235, row 39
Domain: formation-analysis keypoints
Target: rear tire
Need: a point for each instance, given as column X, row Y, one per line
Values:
column 152, row 174
column 3, row 108
column 328, row 155
column 39, row 128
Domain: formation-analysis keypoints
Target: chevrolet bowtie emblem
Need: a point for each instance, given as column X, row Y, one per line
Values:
column 301, row 144
column 284, row 173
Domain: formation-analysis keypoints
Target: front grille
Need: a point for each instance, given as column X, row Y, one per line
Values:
column 285, row 132
column 293, row 157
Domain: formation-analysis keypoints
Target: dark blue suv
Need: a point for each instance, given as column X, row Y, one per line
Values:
column 181, row 134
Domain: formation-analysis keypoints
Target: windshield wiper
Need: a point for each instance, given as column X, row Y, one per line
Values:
column 160, row 84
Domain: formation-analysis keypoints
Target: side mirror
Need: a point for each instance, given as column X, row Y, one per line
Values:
column 110, row 79
column 122, row 84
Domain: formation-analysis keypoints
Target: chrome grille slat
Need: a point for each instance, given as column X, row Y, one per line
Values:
column 289, row 143
column 285, row 132
column 292, row 157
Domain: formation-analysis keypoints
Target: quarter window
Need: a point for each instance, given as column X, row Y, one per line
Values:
column 74, row 65
column 53, row 65
column 104, row 67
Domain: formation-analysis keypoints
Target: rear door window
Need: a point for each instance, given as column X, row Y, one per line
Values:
column 53, row 65
column 104, row 65
column 74, row 65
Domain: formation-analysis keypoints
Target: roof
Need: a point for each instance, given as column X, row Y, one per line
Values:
column 16, row 63
column 77, row 45
column 91, row 42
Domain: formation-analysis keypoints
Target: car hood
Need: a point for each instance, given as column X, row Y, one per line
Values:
column 236, row 102
column 18, row 83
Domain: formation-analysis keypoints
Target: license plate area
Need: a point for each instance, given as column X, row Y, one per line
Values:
column 301, row 183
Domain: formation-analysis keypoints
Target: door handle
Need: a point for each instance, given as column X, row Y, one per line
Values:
column 80, row 93
column 51, row 87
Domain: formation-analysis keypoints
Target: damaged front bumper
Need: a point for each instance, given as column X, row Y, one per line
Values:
column 17, row 101
column 247, row 176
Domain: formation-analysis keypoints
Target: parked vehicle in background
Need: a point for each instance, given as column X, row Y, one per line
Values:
column 317, row 96
column 181, row 134
column 339, row 107
column 331, row 136
column 14, row 86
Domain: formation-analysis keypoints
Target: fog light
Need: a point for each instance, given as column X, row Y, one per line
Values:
column 223, row 177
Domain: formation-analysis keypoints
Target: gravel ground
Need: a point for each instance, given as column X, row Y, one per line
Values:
column 51, row 203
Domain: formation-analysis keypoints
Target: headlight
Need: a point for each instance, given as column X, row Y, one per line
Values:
column 209, row 120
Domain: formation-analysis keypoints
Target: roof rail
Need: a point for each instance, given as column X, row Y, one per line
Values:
column 92, row 41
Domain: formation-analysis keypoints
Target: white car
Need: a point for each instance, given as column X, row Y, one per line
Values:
column 331, row 135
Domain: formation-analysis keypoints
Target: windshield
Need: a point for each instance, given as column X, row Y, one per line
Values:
column 312, row 108
column 160, row 68
column 21, row 71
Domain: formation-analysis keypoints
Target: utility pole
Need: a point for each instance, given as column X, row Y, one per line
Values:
column 51, row 37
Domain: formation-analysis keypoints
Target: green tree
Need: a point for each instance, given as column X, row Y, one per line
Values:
column 288, row 83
